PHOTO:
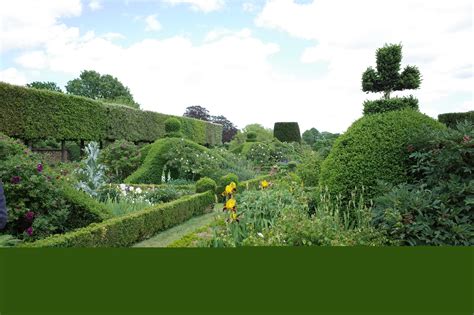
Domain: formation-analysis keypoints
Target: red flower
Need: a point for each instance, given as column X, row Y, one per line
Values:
column 29, row 231
column 466, row 138
column 15, row 179
column 39, row 168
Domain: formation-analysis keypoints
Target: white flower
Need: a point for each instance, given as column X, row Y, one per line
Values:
column 123, row 186
column 131, row 188
column 260, row 234
column 138, row 190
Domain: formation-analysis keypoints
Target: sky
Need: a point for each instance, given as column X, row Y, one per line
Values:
column 253, row 61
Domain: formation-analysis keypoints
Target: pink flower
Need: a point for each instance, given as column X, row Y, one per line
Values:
column 29, row 231
column 30, row 215
column 466, row 138
column 39, row 168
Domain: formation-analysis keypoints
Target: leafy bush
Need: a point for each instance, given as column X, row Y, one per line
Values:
column 391, row 104
column 287, row 131
column 129, row 229
column 435, row 208
column 309, row 168
column 121, row 159
column 173, row 127
column 39, row 202
column 373, row 148
column 251, row 136
column 452, row 119
column 259, row 153
column 206, row 184
column 92, row 174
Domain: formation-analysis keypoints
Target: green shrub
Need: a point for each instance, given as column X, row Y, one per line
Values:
column 435, row 208
column 251, row 136
column 309, row 168
column 29, row 113
column 391, row 104
column 259, row 153
column 172, row 125
column 452, row 119
column 252, row 183
column 129, row 229
column 40, row 203
column 121, row 159
column 287, row 131
column 374, row 148
column 206, row 184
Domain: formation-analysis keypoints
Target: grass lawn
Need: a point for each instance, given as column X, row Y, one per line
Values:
column 167, row 237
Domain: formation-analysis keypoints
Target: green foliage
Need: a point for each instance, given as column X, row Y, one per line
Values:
column 435, row 208
column 386, row 105
column 373, row 148
column 91, row 174
column 309, row 168
column 452, row 119
column 324, row 143
column 38, row 114
column 93, row 85
column 310, row 136
column 263, row 135
column 287, row 131
column 121, row 159
column 387, row 77
column 50, row 86
column 39, row 202
column 206, row 184
column 129, row 229
column 252, row 183
column 251, row 136
column 172, row 125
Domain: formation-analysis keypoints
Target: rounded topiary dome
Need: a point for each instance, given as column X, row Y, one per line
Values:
column 373, row 148
column 172, row 125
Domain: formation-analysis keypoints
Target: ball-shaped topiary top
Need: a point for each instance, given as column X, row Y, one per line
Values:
column 251, row 136
column 205, row 184
column 172, row 125
column 287, row 131
column 374, row 148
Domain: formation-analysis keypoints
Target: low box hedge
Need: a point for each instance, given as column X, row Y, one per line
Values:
column 452, row 119
column 129, row 229
column 31, row 114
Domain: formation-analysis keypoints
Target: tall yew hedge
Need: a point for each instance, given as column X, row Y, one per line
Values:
column 29, row 114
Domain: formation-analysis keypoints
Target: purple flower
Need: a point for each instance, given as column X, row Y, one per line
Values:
column 30, row 215
column 15, row 179
column 39, row 168
column 29, row 231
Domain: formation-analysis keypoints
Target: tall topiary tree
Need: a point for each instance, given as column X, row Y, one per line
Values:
column 287, row 131
column 387, row 78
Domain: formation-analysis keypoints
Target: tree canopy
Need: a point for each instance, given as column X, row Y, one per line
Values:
column 101, row 87
column 229, row 129
column 197, row 112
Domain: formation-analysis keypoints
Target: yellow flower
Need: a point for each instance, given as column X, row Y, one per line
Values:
column 229, row 189
column 230, row 204
column 234, row 216
column 264, row 184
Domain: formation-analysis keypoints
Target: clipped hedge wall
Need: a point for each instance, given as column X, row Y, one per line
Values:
column 387, row 105
column 38, row 114
column 451, row 119
column 287, row 131
column 129, row 229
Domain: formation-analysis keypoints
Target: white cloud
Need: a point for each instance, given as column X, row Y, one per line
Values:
column 436, row 36
column 249, row 7
column 37, row 24
column 13, row 76
column 95, row 5
column 35, row 60
column 152, row 24
column 113, row 36
column 201, row 5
